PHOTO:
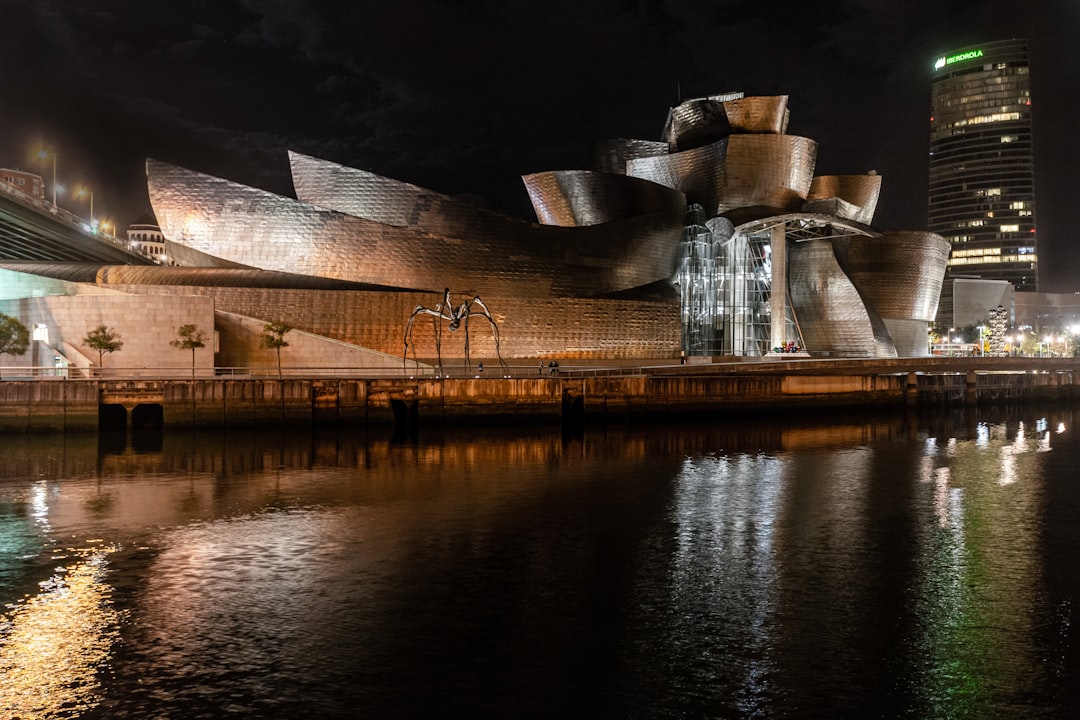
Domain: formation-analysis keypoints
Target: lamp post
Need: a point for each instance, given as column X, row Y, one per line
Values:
column 83, row 191
column 42, row 154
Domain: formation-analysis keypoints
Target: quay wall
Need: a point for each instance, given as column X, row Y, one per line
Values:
column 78, row 404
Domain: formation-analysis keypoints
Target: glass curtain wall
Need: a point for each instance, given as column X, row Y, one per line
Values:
column 725, row 279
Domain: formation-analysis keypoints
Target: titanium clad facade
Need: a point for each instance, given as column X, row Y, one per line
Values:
column 255, row 228
column 574, row 198
column 697, row 173
column 385, row 201
column 982, row 169
column 696, row 123
column 858, row 193
column 717, row 240
column 899, row 273
column 700, row 121
column 758, row 114
column 739, row 171
column 612, row 156
column 768, row 170
column 831, row 313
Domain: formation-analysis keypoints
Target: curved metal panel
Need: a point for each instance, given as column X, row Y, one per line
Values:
column 387, row 201
column 758, row 114
column 255, row 228
column 899, row 273
column 858, row 193
column 909, row 337
column 695, row 123
column 770, row 170
column 831, row 314
column 697, row 173
column 611, row 156
column 572, row 198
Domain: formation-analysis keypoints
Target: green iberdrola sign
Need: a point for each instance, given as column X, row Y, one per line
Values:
column 959, row 57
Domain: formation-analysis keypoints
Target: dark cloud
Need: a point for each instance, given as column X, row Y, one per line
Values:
column 464, row 96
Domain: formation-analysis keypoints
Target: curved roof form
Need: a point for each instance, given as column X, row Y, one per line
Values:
column 573, row 198
column 387, row 201
column 695, row 123
column 738, row 171
column 699, row 173
column 259, row 229
column 858, row 193
column 700, row 121
column 758, row 114
column 612, row 156
column 773, row 170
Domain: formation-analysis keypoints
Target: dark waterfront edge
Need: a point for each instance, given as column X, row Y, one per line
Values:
column 574, row 397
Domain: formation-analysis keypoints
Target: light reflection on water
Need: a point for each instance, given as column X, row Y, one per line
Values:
column 886, row 567
column 53, row 643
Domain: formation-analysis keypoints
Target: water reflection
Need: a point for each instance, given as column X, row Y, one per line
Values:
column 916, row 566
column 55, row 641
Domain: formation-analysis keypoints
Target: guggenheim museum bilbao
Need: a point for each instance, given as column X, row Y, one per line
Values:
column 715, row 240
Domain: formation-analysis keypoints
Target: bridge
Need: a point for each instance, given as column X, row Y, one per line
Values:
column 32, row 229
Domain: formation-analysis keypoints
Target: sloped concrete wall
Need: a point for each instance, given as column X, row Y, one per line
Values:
column 241, row 345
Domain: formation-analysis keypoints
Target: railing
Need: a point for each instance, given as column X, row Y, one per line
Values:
column 488, row 371
column 886, row 366
column 45, row 207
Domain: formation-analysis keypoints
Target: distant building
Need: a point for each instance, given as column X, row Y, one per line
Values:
column 974, row 300
column 982, row 165
column 145, row 237
column 26, row 183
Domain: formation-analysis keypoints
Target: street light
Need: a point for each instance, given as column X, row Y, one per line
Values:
column 80, row 193
column 43, row 154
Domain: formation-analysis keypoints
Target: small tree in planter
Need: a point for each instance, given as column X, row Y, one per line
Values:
column 14, row 337
column 189, row 337
column 274, row 338
column 104, row 340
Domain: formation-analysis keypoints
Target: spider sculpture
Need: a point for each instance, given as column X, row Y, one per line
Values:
column 456, row 317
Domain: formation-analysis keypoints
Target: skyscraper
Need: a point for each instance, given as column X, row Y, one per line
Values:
column 982, row 165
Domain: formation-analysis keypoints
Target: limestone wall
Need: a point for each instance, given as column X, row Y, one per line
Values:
column 558, row 328
column 147, row 324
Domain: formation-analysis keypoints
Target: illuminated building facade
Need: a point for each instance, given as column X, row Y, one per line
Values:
column 716, row 240
column 982, row 166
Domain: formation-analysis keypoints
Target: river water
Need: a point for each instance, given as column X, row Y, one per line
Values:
column 890, row 566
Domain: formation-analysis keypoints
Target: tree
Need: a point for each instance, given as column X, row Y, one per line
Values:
column 14, row 337
column 189, row 337
column 104, row 340
column 274, row 338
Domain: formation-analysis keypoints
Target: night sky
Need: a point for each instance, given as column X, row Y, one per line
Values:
column 465, row 96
